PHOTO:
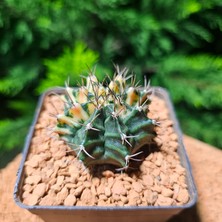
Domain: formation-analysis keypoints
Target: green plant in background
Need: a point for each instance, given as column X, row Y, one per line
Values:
column 70, row 65
column 106, row 124
column 152, row 37
column 72, row 62
column 198, row 98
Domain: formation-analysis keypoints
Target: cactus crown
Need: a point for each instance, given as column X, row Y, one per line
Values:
column 107, row 124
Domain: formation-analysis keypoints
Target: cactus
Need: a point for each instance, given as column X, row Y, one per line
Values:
column 107, row 124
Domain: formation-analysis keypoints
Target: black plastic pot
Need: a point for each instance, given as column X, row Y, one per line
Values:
column 108, row 214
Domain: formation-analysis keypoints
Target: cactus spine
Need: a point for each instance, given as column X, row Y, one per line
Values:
column 106, row 124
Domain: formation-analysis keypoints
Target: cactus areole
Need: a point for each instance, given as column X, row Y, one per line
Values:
column 107, row 124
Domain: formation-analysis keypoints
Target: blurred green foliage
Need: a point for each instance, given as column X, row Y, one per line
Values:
column 68, row 66
column 175, row 43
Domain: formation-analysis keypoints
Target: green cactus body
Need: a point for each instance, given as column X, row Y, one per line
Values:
column 106, row 124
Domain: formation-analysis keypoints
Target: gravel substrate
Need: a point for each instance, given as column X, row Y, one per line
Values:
column 53, row 176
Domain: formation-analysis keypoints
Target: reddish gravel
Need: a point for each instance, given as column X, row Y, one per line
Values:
column 55, row 177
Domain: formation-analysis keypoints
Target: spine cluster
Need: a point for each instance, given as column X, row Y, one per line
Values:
column 107, row 124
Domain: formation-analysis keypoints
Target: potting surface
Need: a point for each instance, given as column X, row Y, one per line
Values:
column 207, row 170
column 54, row 176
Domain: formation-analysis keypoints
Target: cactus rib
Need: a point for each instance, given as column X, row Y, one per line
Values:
column 107, row 124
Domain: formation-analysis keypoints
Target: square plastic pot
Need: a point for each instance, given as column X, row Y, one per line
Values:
column 108, row 214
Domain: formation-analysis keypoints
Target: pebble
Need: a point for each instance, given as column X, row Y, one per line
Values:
column 59, row 154
column 180, row 170
column 165, row 180
column 150, row 197
column 78, row 191
column 103, row 197
column 63, row 173
column 34, row 161
column 156, row 188
column 27, row 187
column 101, row 203
column 110, row 181
column 176, row 189
column 120, row 204
column 35, row 179
column 167, row 192
column 56, row 169
column 116, row 197
column 149, row 157
column 48, row 200
column 107, row 191
column 43, row 147
column 147, row 180
column 72, row 191
column 88, row 198
column 60, row 180
column 31, row 199
column 133, row 197
column 62, row 195
column 183, row 196
column 173, row 178
column 52, row 181
column 128, row 179
column 82, row 178
column 182, row 180
column 45, row 156
column 49, row 172
column 29, row 170
column 73, row 170
column 70, row 185
column 87, row 184
column 118, row 188
column 159, row 159
column 173, row 145
column 138, row 187
column 173, row 136
column 95, row 181
column 124, row 199
column 156, row 172
column 70, row 200
column 25, row 194
column 108, row 173
column 40, row 189
column 158, row 141
column 163, row 201
column 128, row 186
column 93, row 190
column 100, row 189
